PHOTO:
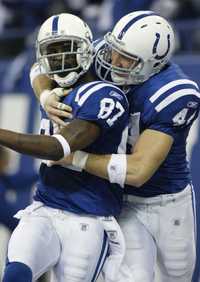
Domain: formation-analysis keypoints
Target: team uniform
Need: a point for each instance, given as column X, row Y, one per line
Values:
column 65, row 226
column 158, row 219
column 161, row 213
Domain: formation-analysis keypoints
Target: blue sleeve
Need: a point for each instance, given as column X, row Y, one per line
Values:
column 177, row 116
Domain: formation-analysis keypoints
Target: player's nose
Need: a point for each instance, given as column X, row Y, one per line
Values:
column 116, row 59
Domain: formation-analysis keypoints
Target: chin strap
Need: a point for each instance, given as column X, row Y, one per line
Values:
column 68, row 80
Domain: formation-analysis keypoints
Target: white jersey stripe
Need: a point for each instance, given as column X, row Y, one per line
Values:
column 94, row 89
column 122, row 146
column 170, row 85
column 82, row 88
column 174, row 96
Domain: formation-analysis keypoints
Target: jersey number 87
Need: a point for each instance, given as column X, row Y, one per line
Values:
column 107, row 107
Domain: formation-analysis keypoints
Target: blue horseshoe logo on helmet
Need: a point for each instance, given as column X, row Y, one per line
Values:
column 160, row 57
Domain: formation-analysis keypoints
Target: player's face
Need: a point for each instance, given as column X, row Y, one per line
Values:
column 121, row 61
column 60, row 56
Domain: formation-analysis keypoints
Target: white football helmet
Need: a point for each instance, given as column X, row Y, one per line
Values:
column 145, row 39
column 64, row 48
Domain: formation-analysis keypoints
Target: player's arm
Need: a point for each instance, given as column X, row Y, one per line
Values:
column 152, row 146
column 42, row 83
column 46, row 91
column 150, row 151
column 75, row 136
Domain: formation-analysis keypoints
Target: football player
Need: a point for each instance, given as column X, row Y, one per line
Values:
column 65, row 228
column 158, row 218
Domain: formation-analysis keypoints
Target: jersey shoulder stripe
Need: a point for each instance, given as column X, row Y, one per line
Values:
column 86, row 86
column 85, row 91
column 170, row 85
column 176, row 95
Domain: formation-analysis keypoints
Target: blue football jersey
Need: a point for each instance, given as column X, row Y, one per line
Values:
column 168, row 102
column 78, row 191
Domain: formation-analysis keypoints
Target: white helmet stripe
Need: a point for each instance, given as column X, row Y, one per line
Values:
column 132, row 21
column 55, row 25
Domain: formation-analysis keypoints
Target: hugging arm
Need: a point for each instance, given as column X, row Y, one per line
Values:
column 48, row 94
column 149, row 152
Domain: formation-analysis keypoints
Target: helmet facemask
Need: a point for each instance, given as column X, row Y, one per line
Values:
column 119, row 75
column 65, row 59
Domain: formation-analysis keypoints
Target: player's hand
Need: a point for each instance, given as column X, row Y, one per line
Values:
column 55, row 110
column 64, row 161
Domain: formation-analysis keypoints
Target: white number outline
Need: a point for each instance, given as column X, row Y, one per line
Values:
column 180, row 118
column 107, row 106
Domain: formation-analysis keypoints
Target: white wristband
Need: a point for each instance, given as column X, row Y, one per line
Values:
column 64, row 143
column 117, row 168
column 80, row 159
column 43, row 97
column 35, row 71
